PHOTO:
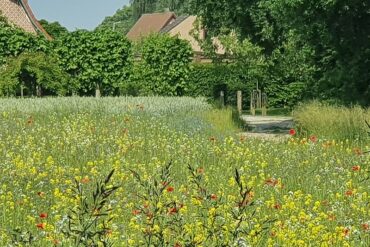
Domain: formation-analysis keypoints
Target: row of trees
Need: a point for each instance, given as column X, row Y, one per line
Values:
column 91, row 62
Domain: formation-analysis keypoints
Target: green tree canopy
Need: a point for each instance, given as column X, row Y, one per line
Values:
column 121, row 21
column 95, row 60
column 53, row 28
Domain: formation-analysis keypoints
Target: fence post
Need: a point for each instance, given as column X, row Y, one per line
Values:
column 239, row 100
column 222, row 98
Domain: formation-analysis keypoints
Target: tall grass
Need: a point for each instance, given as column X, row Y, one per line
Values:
column 332, row 122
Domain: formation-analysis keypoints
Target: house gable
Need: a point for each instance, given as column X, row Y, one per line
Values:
column 19, row 13
column 150, row 23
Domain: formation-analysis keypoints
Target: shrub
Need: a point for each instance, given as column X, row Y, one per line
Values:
column 164, row 66
column 32, row 73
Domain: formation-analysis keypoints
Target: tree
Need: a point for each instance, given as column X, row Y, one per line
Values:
column 121, row 21
column 14, row 41
column 97, row 60
column 32, row 72
column 54, row 28
column 164, row 66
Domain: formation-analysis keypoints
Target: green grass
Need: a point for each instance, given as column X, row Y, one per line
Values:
column 332, row 122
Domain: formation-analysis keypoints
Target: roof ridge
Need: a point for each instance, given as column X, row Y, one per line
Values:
column 34, row 21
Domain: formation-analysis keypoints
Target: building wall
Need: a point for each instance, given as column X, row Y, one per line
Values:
column 184, row 32
column 15, row 14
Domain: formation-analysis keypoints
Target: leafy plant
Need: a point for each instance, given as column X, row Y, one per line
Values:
column 31, row 72
column 165, row 65
column 88, row 223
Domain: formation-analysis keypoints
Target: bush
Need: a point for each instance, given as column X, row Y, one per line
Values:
column 32, row 73
column 164, row 66
column 331, row 121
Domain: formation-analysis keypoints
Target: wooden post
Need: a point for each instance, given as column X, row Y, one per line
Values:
column 222, row 98
column 239, row 101
column 252, row 107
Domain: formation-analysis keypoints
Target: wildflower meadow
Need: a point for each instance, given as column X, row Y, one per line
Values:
column 171, row 172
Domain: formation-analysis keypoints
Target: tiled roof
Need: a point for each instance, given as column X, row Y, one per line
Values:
column 150, row 23
column 33, row 19
column 178, row 20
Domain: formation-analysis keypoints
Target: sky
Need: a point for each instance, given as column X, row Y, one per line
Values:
column 76, row 14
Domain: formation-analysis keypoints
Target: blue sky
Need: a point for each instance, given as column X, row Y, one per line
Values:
column 76, row 14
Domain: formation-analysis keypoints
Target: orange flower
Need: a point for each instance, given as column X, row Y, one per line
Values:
column 365, row 227
column 41, row 226
column 213, row 197
column 85, row 180
column 277, row 206
column 200, row 170
column 346, row 232
column 356, row 168
column 271, row 182
column 170, row 189
column 43, row 215
column 313, row 138
column 349, row 193
column 177, row 245
column 172, row 210
column 136, row 212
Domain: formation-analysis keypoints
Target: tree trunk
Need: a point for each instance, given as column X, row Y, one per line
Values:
column 38, row 91
column 22, row 88
column 97, row 91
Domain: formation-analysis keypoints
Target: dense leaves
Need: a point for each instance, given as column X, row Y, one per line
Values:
column 32, row 74
column 54, row 28
column 95, row 60
column 164, row 66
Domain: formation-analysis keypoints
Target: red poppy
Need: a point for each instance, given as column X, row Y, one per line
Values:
column 213, row 197
column 349, row 193
column 313, row 138
column 177, row 245
column 365, row 227
column 271, row 182
column 136, row 212
column 172, row 210
column 43, row 215
column 85, row 180
column 41, row 226
column 164, row 183
column 200, row 170
column 170, row 189
column 356, row 168
column 292, row 132
column 277, row 206
column 346, row 231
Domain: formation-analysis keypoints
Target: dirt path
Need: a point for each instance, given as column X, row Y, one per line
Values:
column 273, row 128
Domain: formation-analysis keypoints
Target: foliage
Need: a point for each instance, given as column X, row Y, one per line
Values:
column 335, row 32
column 164, row 66
column 87, row 223
column 33, row 72
column 53, row 28
column 14, row 41
column 95, row 60
column 334, row 122
column 121, row 21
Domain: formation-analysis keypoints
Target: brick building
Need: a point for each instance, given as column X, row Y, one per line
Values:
column 20, row 14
